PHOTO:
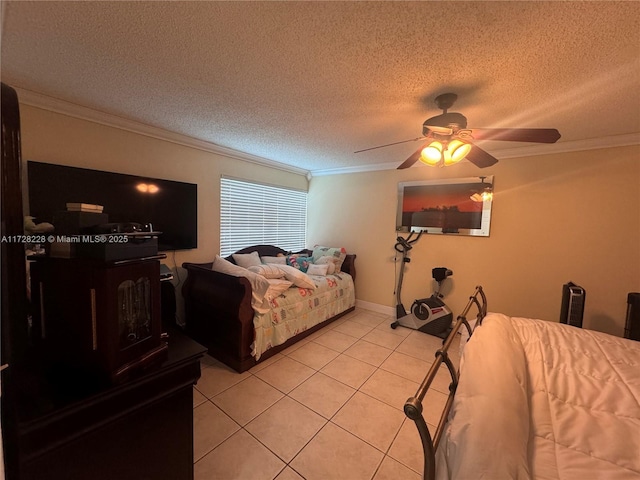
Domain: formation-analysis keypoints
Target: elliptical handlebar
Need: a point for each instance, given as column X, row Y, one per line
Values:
column 403, row 245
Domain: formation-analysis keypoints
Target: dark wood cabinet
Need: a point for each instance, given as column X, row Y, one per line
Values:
column 14, row 339
column 140, row 429
column 69, row 410
column 98, row 317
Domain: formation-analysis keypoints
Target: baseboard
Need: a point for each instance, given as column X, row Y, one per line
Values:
column 375, row 307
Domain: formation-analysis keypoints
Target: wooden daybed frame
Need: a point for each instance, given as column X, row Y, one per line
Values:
column 219, row 313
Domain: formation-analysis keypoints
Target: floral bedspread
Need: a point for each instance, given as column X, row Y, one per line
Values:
column 298, row 309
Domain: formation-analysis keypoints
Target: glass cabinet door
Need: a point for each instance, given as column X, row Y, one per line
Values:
column 134, row 311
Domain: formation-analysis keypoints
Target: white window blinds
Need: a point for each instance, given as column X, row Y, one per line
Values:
column 258, row 214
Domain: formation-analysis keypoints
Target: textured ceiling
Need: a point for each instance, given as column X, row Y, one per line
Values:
column 308, row 83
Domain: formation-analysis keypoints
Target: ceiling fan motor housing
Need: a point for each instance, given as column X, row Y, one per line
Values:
column 455, row 121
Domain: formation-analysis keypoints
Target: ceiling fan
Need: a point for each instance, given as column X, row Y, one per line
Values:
column 449, row 139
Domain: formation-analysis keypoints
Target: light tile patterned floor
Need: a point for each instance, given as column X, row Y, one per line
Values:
column 329, row 407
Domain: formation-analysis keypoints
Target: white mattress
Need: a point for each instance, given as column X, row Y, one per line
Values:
column 543, row 400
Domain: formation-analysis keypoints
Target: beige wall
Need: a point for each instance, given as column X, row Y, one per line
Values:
column 55, row 138
column 555, row 218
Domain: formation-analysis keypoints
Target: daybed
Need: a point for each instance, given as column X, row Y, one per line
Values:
column 535, row 399
column 241, row 325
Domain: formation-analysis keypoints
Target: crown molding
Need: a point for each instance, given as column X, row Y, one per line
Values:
column 517, row 152
column 374, row 167
column 38, row 100
column 45, row 102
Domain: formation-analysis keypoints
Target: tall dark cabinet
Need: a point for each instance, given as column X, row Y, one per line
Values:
column 13, row 327
column 96, row 316
column 89, row 388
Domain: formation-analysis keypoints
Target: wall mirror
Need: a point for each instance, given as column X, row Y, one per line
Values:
column 459, row 206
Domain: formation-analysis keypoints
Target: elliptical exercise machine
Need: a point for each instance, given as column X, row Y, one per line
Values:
column 429, row 315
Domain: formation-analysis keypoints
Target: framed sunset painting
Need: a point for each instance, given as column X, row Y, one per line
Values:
column 460, row 206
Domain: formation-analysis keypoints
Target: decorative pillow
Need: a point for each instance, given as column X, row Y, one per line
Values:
column 276, row 288
column 319, row 269
column 277, row 260
column 338, row 253
column 247, row 260
column 299, row 279
column 259, row 284
column 330, row 262
column 267, row 271
column 301, row 263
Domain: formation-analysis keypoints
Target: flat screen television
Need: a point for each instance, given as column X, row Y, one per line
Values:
column 170, row 206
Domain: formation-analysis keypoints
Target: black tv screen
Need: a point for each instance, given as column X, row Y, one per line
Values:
column 170, row 206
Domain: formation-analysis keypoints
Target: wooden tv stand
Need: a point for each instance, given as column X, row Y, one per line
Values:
column 140, row 429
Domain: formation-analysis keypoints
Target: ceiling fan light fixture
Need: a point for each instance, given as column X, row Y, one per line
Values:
column 485, row 196
column 456, row 151
column 432, row 154
column 444, row 153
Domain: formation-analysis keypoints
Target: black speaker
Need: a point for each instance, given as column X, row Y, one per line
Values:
column 632, row 325
column 572, row 308
column 168, row 303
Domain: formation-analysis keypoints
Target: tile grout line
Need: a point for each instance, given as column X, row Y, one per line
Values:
column 326, row 421
column 356, row 391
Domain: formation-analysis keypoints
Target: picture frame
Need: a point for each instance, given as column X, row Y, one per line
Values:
column 459, row 206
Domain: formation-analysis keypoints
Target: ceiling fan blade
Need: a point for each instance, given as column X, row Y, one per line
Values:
column 412, row 159
column 535, row 135
column 389, row 144
column 480, row 158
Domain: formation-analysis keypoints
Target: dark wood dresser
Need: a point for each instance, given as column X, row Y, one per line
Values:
column 81, row 429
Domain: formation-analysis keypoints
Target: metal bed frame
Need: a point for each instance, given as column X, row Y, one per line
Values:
column 413, row 406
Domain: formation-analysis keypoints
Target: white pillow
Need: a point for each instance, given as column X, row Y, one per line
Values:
column 247, row 260
column 276, row 288
column 278, row 260
column 259, row 284
column 267, row 271
column 330, row 261
column 299, row 279
column 318, row 269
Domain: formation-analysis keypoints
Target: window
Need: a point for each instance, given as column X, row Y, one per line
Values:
column 258, row 214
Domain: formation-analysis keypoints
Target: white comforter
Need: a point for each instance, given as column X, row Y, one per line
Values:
column 543, row 400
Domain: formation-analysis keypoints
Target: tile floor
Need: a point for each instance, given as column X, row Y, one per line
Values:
column 329, row 407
